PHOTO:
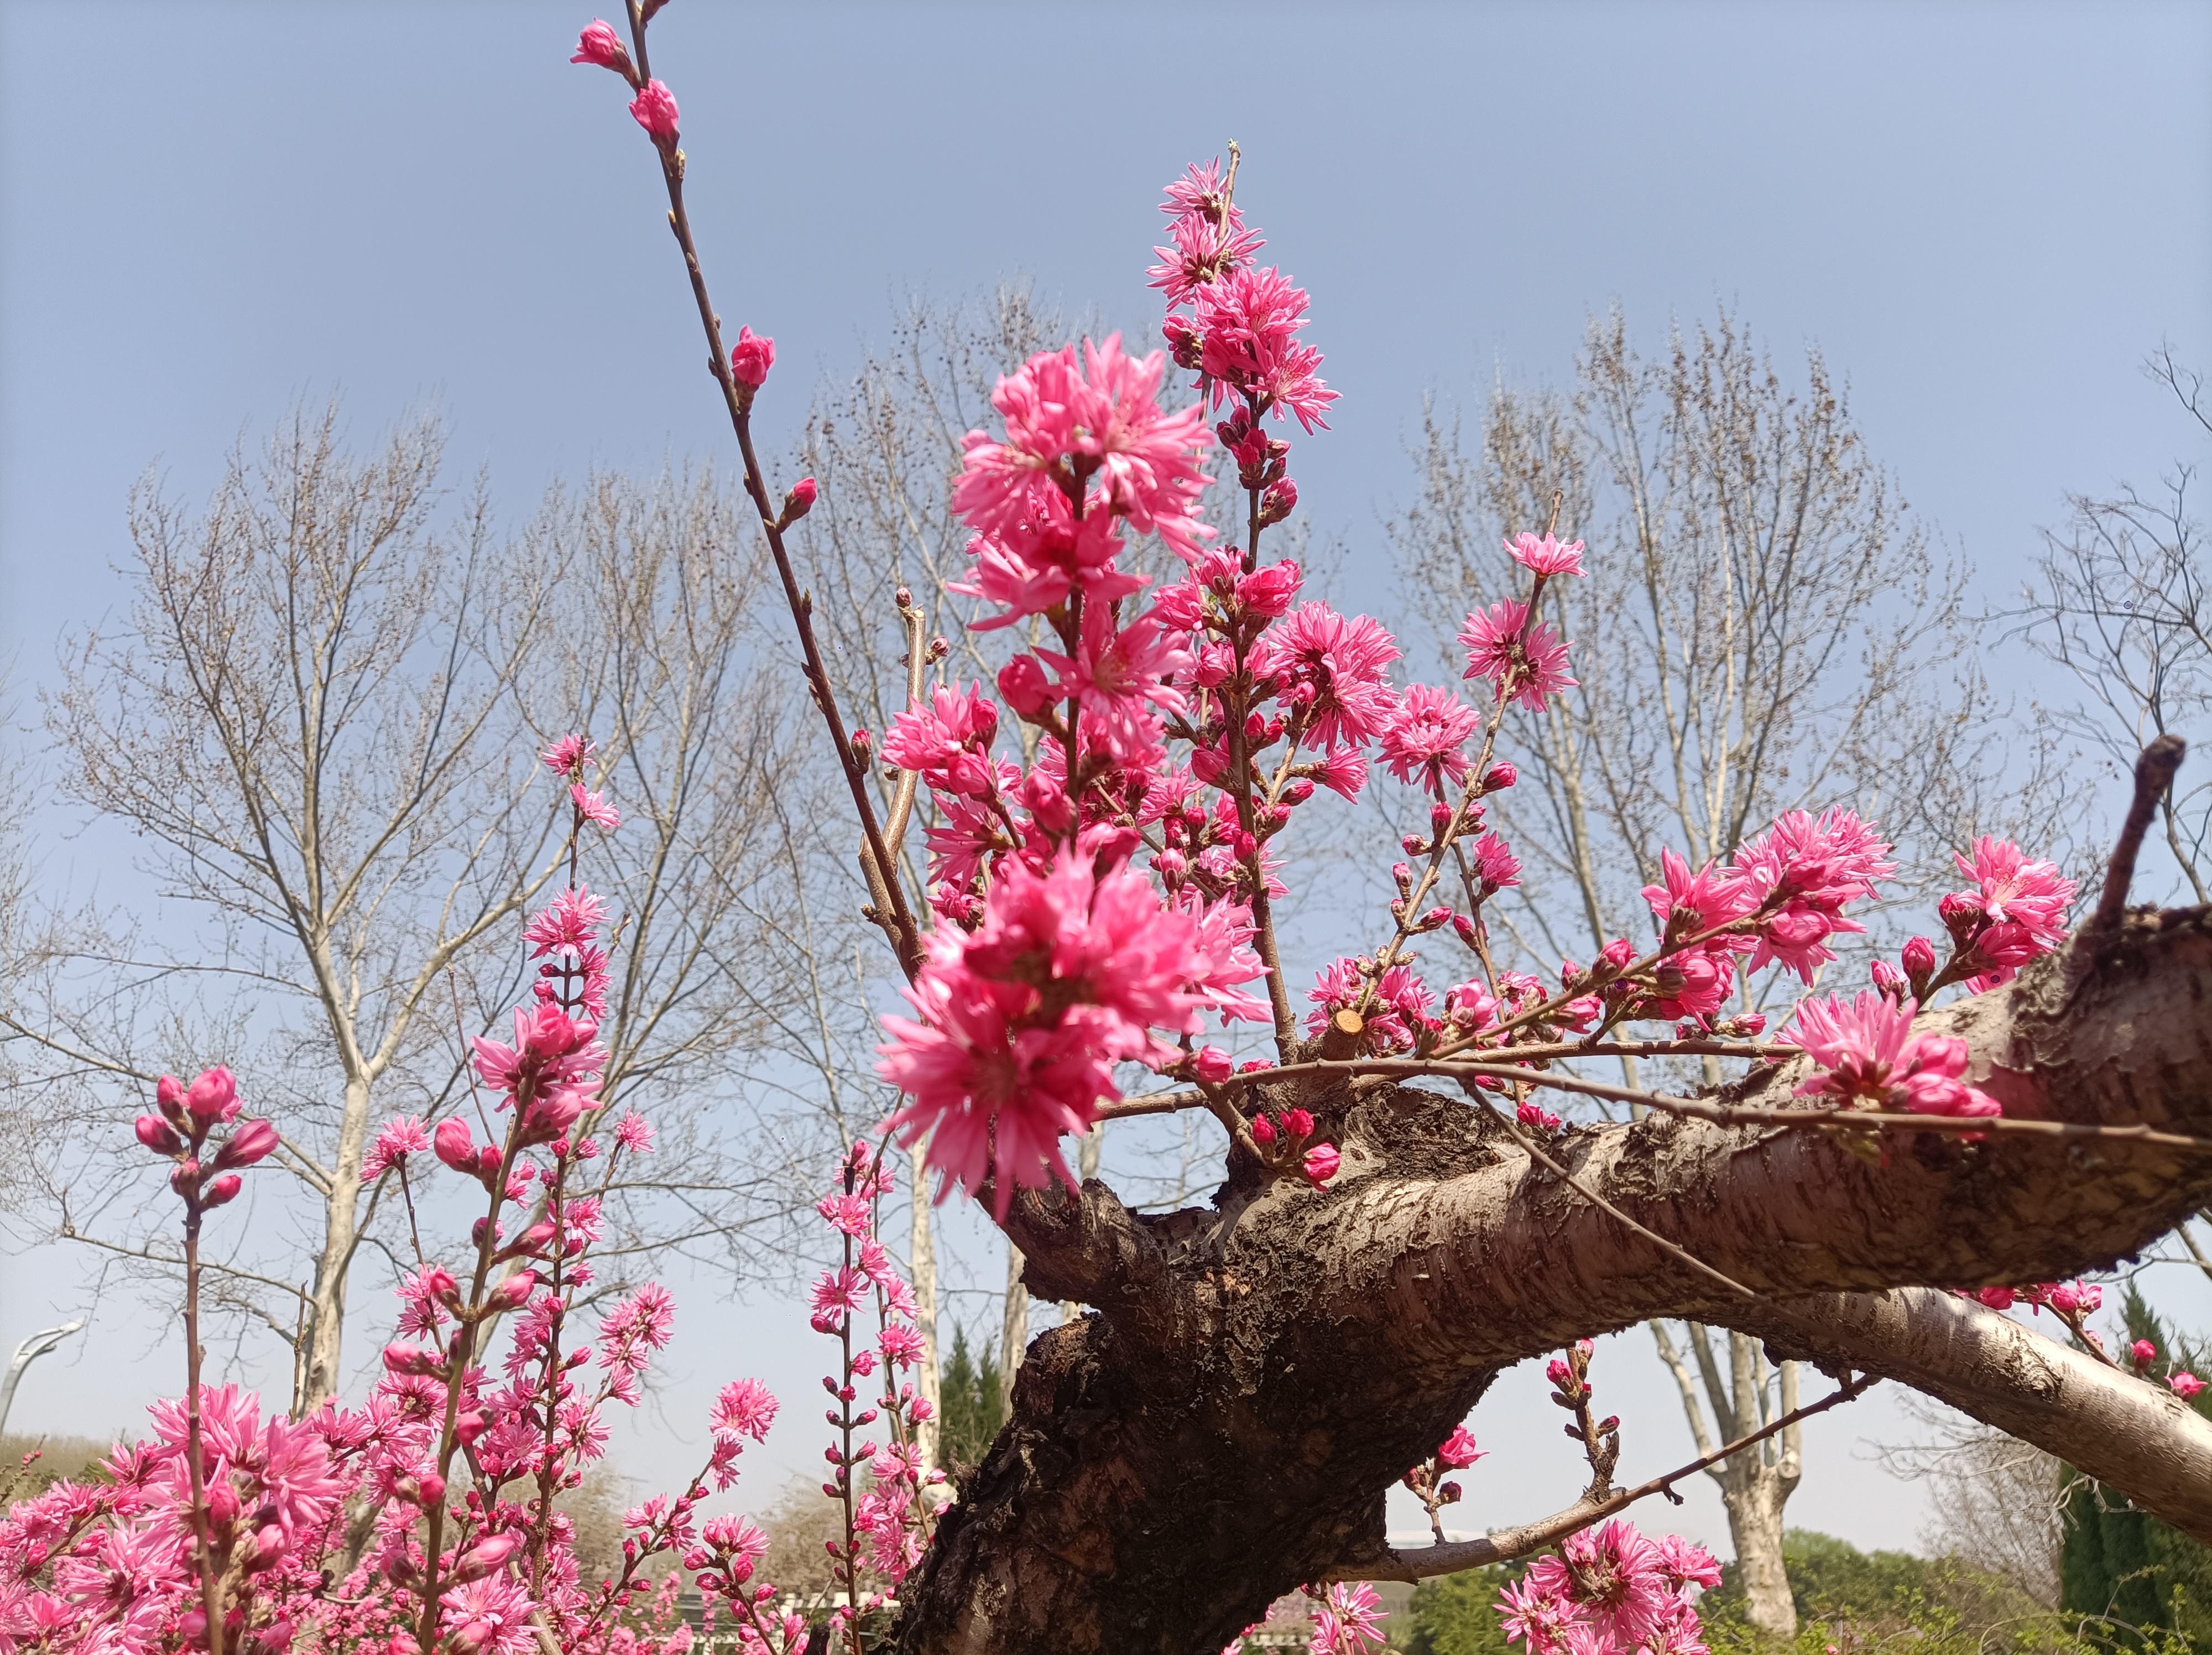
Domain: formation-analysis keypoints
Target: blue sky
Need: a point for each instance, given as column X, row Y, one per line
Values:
column 1984, row 215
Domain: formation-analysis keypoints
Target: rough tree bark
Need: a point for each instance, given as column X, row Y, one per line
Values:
column 1255, row 1374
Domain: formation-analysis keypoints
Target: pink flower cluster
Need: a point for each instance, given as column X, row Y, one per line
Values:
column 1611, row 1591
column 1869, row 1056
column 2016, row 911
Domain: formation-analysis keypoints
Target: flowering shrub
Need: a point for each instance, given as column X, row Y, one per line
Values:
column 1101, row 905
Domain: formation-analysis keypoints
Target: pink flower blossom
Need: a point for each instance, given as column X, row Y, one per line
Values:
column 634, row 1132
column 1546, row 556
column 1342, row 661
column 1320, row 1164
column 1114, row 673
column 837, row 1294
column 947, row 740
column 1495, row 864
column 1349, row 1620
column 568, row 756
column 1459, row 1451
column 1248, row 319
column 1019, row 1024
column 1805, row 868
column 1526, row 660
column 592, row 807
column 1207, row 246
column 1866, row 1050
column 2016, row 911
column 2185, row 1385
column 1424, row 741
column 1069, row 423
column 654, row 109
column 744, row 1408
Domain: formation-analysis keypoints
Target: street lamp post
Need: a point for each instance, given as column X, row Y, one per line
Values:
column 26, row 1354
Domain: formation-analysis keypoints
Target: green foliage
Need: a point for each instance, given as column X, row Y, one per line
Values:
column 76, row 1457
column 1457, row 1614
column 1849, row 1602
column 2139, row 1577
column 970, row 1392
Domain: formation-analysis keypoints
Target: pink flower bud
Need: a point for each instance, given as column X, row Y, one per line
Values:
column 600, row 44
column 1185, row 342
column 184, row 1176
column 1278, row 502
column 1321, row 1163
column 1618, row 954
column 223, row 1503
column 454, row 1146
column 403, row 1358
column 159, row 1137
column 1297, row 1123
column 1499, row 776
column 224, row 1189
column 1027, row 689
column 513, row 1293
column 2185, row 1385
column 486, row 1555
column 1891, row 981
column 169, row 1093
column 1213, row 1064
column 250, row 1142
column 797, row 501
column 213, row 1097
column 1298, row 792
column 752, row 357
column 1919, row 958
column 654, row 109
column 1263, row 1129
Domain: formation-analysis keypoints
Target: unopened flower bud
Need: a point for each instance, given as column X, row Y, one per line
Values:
column 513, row 1293
column 224, row 1189
column 213, row 1097
column 750, row 358
column 469, row 1425
column 600, row 44
column 1322, row 1162
column 1026, row 687
column 1919, row 959
column 250, row 1142
column 1298, row 792
column 1499, row 776
column 169, row 1093
column 797, row 501
column 159, row 1137
column 861, row 742
column 654, row 109
column 1185, row 342
column 1297, row 1123
column 454, row 1146
column 1263, row 1129
column 486, row 1555
column 1279, row 501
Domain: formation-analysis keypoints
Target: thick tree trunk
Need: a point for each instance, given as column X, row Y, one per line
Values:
column 1255, row 1375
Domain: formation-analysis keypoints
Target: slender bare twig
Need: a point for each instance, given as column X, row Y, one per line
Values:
column 1504, row 1545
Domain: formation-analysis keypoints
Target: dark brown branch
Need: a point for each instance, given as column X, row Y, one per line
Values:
column 899, row 923
column 2154, row 773
column 1504, row 1545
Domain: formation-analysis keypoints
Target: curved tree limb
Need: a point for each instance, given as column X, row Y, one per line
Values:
column 2135, row 1435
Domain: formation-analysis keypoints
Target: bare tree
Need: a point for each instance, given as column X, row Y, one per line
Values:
column 1997, row 1502
column 1764, row 628
column 325, row 716
column 2123, row 603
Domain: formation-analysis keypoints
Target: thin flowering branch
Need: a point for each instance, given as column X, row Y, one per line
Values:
column 1527, row 1539
column 739, row 380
